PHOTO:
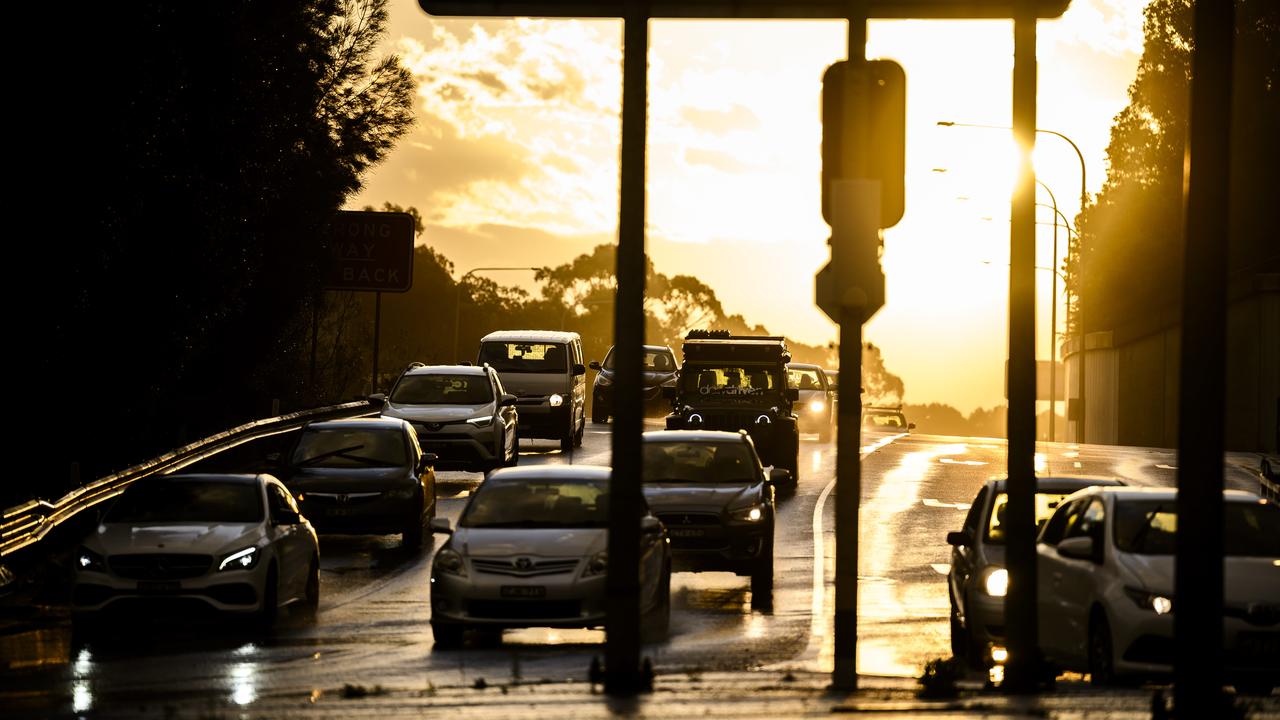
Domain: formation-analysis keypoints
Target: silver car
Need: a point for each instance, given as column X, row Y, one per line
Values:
column 461, row 414
column 530, row 550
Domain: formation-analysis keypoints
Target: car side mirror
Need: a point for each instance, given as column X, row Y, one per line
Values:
column 378, row 398
column 793, row 394
column 650, row 525
column 911, row 426
column 959, row 538
column 594, row 365
column 287, row 517
column 780, row 476
column 440, row 526
column 1078, row 548
column 669, row 392
column 579, row 369
column 507, row 400
column 428, row 460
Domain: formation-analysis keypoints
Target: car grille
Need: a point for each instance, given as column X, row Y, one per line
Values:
column 319, row 500
column 523, row 566
column 160, row 566
column 682, row 519
column 532, row 400
column 524, row 609
column 699, row 543
column 731, row 420
column 426, row 436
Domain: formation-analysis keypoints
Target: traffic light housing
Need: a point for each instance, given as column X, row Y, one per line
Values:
column 886, row 135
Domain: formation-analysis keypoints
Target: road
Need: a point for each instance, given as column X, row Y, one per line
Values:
column 373, row 625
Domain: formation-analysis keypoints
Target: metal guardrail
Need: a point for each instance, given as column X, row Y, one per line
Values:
column 1270, row 483
column 28, row 523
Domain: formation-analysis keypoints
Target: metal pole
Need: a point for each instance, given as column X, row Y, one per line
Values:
column 1198, row 574
column 848, row 492
column 457, row 317
column 1020, row 604
column 622, row 623
column 1053, row 322
column 377, row 331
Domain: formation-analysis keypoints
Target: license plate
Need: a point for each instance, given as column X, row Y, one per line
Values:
column 158, row 586
column 686, row 532
column 1259, row 644
column 337, row 512
column 524, row 591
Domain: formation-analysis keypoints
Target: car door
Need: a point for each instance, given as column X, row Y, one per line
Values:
column 964, row 557
column 507, row 415
column 579, row 384
column 1049, row 576
column 426, row 476
column 1072, row 581
column 652, row 562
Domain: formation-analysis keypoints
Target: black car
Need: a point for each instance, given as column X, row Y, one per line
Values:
column 659, row 367
column 363, row 476
column 717, row 502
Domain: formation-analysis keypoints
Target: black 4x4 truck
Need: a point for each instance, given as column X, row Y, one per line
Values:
column 738, row 382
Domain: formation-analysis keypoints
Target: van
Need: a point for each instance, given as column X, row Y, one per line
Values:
column 544, row 369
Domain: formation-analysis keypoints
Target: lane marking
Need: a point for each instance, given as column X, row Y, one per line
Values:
column 949, row 461
column 930, row 502
column 1167, row 467
column 940, row 568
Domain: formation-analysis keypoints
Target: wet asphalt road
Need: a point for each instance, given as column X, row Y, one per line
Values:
column 373, row 625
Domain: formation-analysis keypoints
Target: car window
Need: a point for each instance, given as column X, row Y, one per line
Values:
column 804, row 379
column 528, row 357
column 884, row 420
column 1087, row 523
column 731, row 379
column 280, row 502
column 975, row 511
column 699, row 462
column 1149, row 527
column 1057, row 524
column 532, row 503
column 654, row 361
column 161, row 500
column 1045, row 504
column 442, row 390
column 350, row 448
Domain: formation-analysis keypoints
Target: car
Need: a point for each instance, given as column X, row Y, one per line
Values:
column 885, row 419
column 978, row 579
column 544, row 369
column 230, row 543
column 739, row 382
column 659, row 369
column 712, row 493
column 461, row 413
column 531, row 550
column 363, row 476
column 817, row 403
column 1105, row 568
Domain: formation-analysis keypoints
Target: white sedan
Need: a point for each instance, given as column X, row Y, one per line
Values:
column 1105, row 592
column 233, row 543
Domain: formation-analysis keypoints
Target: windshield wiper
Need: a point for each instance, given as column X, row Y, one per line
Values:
column 1146, row 525
column 331, row 453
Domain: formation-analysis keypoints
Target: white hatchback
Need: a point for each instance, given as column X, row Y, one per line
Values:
column 232, row 543
column 1105, row 592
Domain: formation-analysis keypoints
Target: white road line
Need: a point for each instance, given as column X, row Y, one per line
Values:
column 930, row 502
column 940, row 568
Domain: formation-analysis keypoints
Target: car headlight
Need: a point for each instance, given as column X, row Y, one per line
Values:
column 751, row 514
column 597, row 565
column 556, row 400
column 450, row 561
column 997, row 582
column 1155, row 602
column 240, row 560
column 817, row 406
column 482, row 421
column 90, row 561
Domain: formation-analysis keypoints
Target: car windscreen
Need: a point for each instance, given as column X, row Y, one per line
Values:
column 533, row 503
column 209, row 501
column 525, row 357
column 731, row 380
column 884, row 421
column 804, row 379
column 350, row 448
column 1148, row 527
column 699, row 462
column 1046, row 503
column 442, row 390
column 653, row 361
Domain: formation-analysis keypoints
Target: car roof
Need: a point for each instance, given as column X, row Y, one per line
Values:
column 805, row 366
column 447, row 370
column 559, row 336
column 1061, row 484
column 1160, row 493
column 369, row 423
column 238, row 478
column 692, row 436
column 552, row 472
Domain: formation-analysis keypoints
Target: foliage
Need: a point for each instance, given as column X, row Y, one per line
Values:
column 939, row 677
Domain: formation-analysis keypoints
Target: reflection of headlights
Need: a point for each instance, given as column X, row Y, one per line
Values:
column 817, row 406
column 450, row 561
column 753, row 513
column 602, row 380
column 556, row 400
column 597, row 565
column 240, row 560
column 90, row 561
column 1159, row 604
column 997, row 583
column 482, row 421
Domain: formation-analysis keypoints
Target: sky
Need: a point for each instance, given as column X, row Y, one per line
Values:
column 514, row 162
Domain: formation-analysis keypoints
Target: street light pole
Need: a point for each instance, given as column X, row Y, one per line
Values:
column 457, row 300
column 1053, row 323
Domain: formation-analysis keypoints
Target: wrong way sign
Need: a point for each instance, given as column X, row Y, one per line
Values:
column 369, row 251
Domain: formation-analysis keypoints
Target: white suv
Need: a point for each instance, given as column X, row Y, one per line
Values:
column 460, row 412
column 545, row 370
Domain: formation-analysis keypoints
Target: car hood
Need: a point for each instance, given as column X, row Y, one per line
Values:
column 1245, row 579
column 543, row 542
column 347, row 479
column 199, row 538
column 649, row 378
column 810, row 395
column 436, row 413
column 686, row 496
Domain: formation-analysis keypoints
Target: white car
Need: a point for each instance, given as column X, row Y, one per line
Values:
column 1105, row 592
column 531, row 550
column 232, row 543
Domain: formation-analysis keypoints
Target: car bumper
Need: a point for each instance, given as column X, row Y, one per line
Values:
column 984, row 619
column 544, row 422
column 732, row 547
column 602, row 400
column 231, row 591
column 1143, row 643
column 480, row 599
column 459, row 447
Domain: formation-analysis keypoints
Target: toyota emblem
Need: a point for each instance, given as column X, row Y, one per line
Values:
column 523, row 563
column 434, row 426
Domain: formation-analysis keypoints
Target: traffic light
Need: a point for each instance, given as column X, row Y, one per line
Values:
column 886, row 135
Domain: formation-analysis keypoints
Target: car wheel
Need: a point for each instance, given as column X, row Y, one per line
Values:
column 959, row 635
column 599, row 415
column 657, row 622
column 566, row 441
column 1102, row 669
column 270, row 599
column 311, row 595
column 515, row 450
column 577, row 436
column 762, row 578
column 412, row 535
column 448, row 635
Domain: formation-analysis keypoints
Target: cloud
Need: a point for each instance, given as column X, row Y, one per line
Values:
column 722, row 161
column 721, row 121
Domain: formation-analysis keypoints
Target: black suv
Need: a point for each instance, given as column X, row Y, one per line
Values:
column 739, row 382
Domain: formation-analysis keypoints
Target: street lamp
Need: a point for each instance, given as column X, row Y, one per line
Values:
column 457, row 301
column 1084, row 199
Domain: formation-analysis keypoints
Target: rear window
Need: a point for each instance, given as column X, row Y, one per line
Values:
column 1046, row 504
column 1149, row 527
column 525, row 357
column 804, row 379
column 187, row 501
column 442, row 390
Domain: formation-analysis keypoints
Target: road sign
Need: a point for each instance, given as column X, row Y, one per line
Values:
column 886, row 115
column 745, row 9
column 370, row 251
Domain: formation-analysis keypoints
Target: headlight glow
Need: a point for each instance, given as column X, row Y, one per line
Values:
column 597, row 565
column 997, row 583
column 482, row 421
column 999, row 655
column 450, row 561
column 753, row 513
column 817, row 406
column 90, row 561
column 556, row 400
column 1155, row 602
column 240, row 560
